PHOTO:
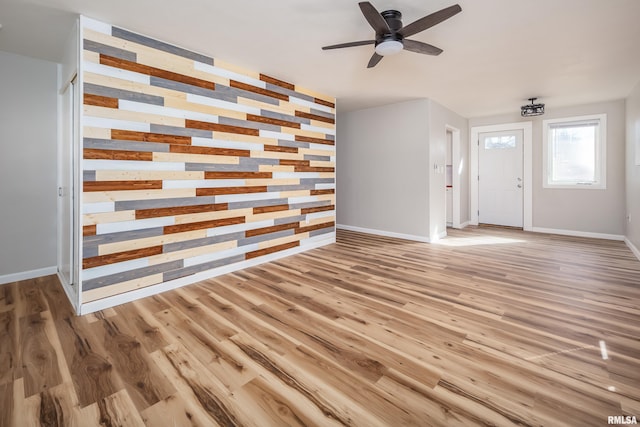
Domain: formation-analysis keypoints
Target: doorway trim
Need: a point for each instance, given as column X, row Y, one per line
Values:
column 527, row 179
column 457, row 167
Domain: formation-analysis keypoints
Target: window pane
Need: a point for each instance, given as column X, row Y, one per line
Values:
column 497, row 142
column 573, row 151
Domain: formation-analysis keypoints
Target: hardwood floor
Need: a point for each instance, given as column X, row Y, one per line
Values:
column 488, row 327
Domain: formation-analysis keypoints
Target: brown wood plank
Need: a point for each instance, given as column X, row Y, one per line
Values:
column 272, row 249
column 266, row 209
column 271, row 229
column 281, row 149
column 169, row 229
column 100, row 101
column 314, row 169
column 230, row 190
column 6, row 403
column 130, row 135
column 122, row 185
column 155, row 72
column 92, row 373
column 9, row 353
column 39, row 359
column 277, row 82
column 297, row 163
column 145, row 384
column 180, row 210
column 215, row 151
column 271, row 121
column 325, row 103
column 237, row 175
column 216, row 127
column 322, row 192
column 301, row 138
column 261, row 91
column 98, row 154
column 120, row 256
column 30, row 298
column 315, row 227
column 315, row 117
column 318, row 209
column 89, row 230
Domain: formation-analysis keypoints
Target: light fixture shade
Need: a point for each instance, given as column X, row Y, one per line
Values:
column 532, row 109
column 388, row 47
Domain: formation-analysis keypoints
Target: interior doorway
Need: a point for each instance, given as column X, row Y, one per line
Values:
column 454, row 168
column 66, row 211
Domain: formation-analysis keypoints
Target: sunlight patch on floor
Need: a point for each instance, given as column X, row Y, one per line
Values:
column 476, row 241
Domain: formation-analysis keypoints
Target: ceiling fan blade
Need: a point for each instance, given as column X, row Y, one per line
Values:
column 429, row 21
column 350, row 44
column 419, row 47
column 374, row 18
column 374, row 60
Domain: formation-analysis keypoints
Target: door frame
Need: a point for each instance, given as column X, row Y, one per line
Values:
column 527, row 178
column 455, row 162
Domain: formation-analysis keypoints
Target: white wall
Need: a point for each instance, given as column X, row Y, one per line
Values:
column 632, row 231
column 439, row 118
column 382, row 178
column 28, row 147
column 579, row 210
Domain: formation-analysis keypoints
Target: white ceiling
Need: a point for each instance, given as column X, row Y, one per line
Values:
column 497, row 53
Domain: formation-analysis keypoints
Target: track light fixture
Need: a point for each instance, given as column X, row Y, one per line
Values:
column 532, row 109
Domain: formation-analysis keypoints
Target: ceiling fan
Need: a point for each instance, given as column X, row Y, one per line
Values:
column 391, row 36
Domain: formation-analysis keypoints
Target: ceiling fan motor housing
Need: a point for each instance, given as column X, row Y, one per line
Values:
column 394, row 20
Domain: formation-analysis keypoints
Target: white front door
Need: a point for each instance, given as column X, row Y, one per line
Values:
column 500, row 164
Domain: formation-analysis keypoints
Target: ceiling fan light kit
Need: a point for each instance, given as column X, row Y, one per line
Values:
column 389, row 47
column 532, row 109
column 391, row 34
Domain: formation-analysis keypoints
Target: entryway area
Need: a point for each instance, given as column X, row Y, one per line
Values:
column 500, row 175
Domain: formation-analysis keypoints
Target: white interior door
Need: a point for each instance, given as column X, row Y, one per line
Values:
column 500, row 174
column 65, row 188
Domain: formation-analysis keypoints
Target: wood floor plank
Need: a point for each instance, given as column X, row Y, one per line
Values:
column 144, row 382
column 39, row 358
column 10, row 367
column 486, row 327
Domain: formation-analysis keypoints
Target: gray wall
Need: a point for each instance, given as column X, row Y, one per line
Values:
column 633, row 170
column 28, row 153
column 382, row 178
column 583, row 210
column 385, row 175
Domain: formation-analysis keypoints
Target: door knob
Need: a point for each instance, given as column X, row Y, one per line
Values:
column 519, row 179
column 519, row 185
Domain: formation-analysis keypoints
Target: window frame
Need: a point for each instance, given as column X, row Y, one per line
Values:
column 601, row 153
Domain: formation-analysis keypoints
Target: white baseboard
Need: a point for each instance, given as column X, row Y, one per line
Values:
column 575, row 233
column 633, row 248
column 112, row 301
column 383, row 233
column 464, row 224
column 26, row 275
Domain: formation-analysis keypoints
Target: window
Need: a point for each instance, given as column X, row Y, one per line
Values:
column 574, row 152
column 498, row 142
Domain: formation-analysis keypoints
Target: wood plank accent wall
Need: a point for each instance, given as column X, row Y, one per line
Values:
column 190, row 163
